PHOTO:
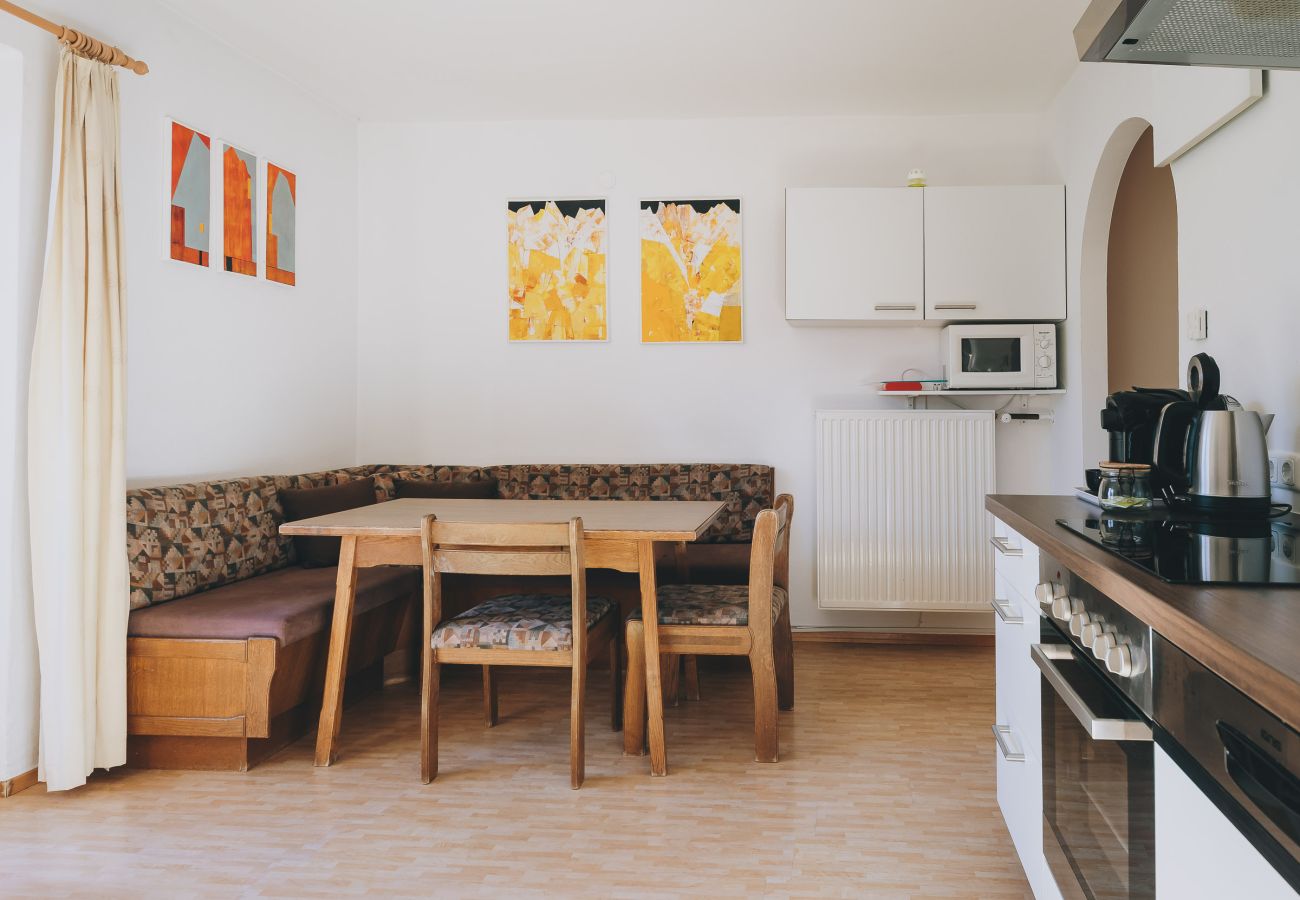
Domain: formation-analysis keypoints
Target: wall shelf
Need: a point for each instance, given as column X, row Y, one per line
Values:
column 1002, row 393
column 1024, row 395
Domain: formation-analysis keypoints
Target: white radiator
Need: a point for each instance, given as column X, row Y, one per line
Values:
column 900, row 510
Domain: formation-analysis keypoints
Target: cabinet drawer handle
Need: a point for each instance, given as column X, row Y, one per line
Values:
column 1005, row 612
column 1004, row 548
column 955, row 305
column 895, row 307
column 1006, row 743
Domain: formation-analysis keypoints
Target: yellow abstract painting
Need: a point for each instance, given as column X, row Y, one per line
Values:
column 558, row 270
column 690, row 270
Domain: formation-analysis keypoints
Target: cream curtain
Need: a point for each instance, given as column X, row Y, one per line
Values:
column 76, row 469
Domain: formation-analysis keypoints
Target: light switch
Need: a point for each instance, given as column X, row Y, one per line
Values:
column 1198, row 325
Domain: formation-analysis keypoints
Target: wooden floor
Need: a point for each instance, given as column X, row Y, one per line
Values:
column 885, row 789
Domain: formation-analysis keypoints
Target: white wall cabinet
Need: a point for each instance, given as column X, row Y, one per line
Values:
column 995, row 253
column 1199, row 852
column 944, row 254
column 854, row 255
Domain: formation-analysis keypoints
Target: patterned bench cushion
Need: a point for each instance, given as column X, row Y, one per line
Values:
column 519, row 622
column 710, row 604
column 386, row 475
column 746, row 489
column 186, row 538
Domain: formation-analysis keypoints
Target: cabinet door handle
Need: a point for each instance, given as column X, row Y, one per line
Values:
column 1006, row 613
column 955, row 306
column 1004, row 548
column 895, row 307
column 1007, row 744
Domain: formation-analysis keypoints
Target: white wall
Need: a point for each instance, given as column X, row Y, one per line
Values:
column 225, row 373
column 1237, row 195
column 439, row 382
column 24, row 163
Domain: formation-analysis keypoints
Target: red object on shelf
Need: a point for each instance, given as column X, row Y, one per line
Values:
column 901, row 386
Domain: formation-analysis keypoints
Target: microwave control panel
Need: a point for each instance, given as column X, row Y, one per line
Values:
column 1045, row 356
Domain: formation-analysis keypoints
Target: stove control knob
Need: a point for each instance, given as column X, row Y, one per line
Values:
column 1091, row 631
column 1119, row 661
column 1047, row 591
column 1078, row 622
column 1103, row 643
column 1064, row 607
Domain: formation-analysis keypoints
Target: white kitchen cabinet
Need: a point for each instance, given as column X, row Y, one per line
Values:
column 1199, row 852
column 1017, row 704
column 995, row 253
column 854, row 255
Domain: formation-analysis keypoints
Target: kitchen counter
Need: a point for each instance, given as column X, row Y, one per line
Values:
column 1249, row 636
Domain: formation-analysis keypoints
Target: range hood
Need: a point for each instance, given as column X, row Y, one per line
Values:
column 1255, row 34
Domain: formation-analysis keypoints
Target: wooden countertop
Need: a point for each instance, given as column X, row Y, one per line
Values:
column 1249, row 636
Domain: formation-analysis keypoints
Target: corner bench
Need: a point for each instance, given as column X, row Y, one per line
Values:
column 228, row 636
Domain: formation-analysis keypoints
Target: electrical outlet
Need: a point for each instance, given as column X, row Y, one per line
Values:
column 1284, row 470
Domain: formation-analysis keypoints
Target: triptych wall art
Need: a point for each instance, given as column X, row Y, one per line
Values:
column 558, row 264
column 190, row 206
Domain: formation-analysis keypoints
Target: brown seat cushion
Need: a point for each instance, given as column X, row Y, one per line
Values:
column 705, row 563
column 288, row 604
column 305, row 503
column 482, row 489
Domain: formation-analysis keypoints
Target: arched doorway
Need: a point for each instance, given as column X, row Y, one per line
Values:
column 1142, row 275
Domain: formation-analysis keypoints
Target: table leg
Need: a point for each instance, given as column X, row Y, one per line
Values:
column 336, row 668
column 653, row 683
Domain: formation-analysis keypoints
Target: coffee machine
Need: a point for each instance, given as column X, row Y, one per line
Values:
column 1131, row 419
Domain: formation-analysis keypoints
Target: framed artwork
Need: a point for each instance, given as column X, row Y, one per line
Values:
column 281, row 225
column 690, row 271
column 558, row 270
column 239, row 210
column 189, row 194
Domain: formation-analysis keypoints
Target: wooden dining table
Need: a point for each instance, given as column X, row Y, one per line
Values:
column 620, row 535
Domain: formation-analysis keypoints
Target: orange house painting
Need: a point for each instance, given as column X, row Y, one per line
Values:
column 281, row 225
column 190, row 201
column 239, row 209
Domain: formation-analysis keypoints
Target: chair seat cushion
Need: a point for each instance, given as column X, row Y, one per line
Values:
column 288, row 604
column 519, row 622
column 710, row 604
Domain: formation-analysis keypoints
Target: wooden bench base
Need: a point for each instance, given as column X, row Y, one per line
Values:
column 229, row 704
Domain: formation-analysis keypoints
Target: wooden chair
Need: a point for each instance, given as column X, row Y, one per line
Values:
column 728, row 620
column 516, row 629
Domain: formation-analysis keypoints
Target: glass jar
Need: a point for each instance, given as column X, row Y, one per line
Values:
column 1125, row 486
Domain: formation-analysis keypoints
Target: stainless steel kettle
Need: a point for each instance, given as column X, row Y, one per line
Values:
column 1213, row 452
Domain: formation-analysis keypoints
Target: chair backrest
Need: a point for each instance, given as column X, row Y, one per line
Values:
column 769, row 558
column 544, row 548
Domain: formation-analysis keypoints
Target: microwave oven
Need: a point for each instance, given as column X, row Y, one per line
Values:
column 994, row 357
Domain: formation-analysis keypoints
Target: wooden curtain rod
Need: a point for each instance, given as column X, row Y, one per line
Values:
column 81, row 44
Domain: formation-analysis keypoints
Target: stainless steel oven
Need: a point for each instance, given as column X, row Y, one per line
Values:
column 1098, row 759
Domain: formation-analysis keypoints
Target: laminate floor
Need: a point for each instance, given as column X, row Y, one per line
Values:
column 885, row 789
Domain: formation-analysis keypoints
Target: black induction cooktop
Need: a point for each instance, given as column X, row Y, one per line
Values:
column 1263, row 552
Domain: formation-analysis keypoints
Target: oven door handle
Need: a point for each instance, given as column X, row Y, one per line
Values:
column 1098, row 729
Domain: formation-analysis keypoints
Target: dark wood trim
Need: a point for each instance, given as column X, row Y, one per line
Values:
column 1247, row 636
column 11, row 786
column 906, row 638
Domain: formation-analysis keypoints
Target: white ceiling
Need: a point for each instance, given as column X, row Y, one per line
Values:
column 421, row 60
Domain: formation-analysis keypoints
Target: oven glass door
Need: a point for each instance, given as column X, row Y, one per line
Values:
column 1098, row 798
